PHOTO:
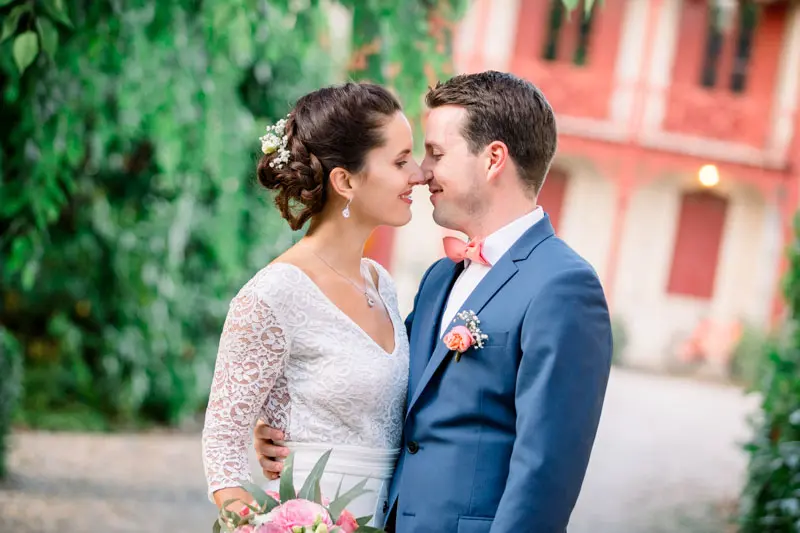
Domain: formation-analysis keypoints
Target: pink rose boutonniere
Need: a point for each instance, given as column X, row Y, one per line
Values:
column 463, row 337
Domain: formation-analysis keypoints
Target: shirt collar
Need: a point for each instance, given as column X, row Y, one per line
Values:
column 498, row 243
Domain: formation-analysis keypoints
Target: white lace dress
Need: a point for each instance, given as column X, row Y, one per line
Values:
column 289, row 356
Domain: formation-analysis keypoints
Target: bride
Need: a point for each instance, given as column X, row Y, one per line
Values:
column 314, row 343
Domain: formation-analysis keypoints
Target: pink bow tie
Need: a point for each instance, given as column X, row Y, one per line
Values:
column 458, row 250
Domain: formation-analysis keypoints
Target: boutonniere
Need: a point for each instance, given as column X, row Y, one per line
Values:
column 463, row 337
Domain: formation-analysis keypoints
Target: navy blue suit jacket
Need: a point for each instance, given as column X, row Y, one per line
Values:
column 499, row 442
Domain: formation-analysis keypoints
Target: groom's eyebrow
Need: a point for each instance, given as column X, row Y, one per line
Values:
column 432, row 146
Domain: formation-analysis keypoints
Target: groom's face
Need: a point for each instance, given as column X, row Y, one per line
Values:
column 452, row 171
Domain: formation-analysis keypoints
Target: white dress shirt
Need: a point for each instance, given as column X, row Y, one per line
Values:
column 495, row 246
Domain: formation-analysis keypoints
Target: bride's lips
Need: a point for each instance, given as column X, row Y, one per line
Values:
column 406, row 197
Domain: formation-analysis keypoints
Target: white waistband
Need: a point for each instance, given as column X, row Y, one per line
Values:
column 352, row 460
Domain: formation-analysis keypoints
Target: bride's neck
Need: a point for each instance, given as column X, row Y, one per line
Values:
column 340, row 242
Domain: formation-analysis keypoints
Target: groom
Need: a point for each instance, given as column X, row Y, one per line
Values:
column 497, row 439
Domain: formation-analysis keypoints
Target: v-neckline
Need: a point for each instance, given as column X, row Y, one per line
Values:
column 350, row 319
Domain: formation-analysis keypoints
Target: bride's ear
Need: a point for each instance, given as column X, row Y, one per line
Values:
column 342, row 183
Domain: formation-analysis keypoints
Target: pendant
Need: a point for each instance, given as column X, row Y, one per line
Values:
column 370, row 301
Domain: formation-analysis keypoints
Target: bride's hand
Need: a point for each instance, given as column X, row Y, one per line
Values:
column 270, row 455
column 233, row 493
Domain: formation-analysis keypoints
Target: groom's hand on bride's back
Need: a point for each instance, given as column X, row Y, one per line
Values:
column 270, row 455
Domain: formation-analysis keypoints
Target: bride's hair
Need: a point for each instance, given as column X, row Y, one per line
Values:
column 328, row 128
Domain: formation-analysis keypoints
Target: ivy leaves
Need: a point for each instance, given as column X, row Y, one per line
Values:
column 32, row 25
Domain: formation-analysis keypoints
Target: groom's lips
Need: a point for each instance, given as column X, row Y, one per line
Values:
column 434, row 192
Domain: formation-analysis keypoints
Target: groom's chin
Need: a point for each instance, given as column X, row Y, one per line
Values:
column 441, row 219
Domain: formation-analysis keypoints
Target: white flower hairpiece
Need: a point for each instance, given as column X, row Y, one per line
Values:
column 275, row 141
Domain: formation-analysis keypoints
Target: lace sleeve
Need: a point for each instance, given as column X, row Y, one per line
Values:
column 251, row 357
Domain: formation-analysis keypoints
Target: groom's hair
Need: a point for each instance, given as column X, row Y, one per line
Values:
column 503, row 107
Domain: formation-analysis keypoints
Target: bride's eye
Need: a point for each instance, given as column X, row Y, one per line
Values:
column 401, row 164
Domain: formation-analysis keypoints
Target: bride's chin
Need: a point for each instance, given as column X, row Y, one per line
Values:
column 398, row 221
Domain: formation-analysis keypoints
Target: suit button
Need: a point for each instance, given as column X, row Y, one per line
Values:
column 413, row 447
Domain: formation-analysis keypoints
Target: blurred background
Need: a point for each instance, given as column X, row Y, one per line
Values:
column 130, row 216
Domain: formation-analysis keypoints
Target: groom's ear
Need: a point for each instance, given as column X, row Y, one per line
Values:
column 341, row 182
column 497, row 157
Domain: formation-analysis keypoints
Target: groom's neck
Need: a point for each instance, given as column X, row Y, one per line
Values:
column 497, row 216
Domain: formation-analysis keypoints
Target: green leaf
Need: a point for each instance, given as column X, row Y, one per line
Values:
column 340, row 504
column 369, row 529
column 364, row 520
column 5, row 2
column 338, row 490
column 29, row 274
column 216, row 528
column 311, row 490
column 287, row 491
column 56, row 9
column 226, row 503
column 48, row 35
column 12, row 20
column 264, row 500
column 26, row 46
column 570, row 4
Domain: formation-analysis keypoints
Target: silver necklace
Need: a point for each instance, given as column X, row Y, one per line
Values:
column 370, row 301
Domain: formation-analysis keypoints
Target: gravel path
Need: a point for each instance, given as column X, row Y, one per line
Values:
column 666, row 454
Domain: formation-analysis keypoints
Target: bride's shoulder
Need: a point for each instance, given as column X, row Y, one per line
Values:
column 272, row 283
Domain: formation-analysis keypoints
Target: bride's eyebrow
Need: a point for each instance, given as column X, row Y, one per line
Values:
column 404, row 152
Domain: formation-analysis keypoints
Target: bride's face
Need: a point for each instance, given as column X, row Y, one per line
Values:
column 383, row 193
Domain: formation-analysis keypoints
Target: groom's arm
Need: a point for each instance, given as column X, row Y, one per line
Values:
column 566, row 358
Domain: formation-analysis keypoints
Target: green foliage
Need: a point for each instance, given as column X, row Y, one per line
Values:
column 35, row 23
column 771, row 498
column 406, row 45
column 10, row 370
column 128, row 212
column 750, row 358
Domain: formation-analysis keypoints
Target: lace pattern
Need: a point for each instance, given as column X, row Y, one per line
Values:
column 289, row 356
column 250, row 362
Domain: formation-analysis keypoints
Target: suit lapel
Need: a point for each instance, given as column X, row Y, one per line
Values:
column 426, row 332
column 498, row 276
column 495, row 279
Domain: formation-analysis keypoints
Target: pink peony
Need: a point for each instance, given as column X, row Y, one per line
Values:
column 245, row 529
column 347, row 522
column 459, row 339
column 269, row 528
column 295, row 513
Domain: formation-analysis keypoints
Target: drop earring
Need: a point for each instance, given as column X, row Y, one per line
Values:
column 346, row 210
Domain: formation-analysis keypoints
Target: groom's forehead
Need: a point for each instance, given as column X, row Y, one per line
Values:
column 444, row 123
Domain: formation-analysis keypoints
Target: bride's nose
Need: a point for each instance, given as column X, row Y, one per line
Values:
column 417, row 177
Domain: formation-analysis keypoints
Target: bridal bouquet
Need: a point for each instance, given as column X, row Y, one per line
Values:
column 291, row 511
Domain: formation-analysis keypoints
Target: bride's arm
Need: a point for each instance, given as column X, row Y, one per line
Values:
column 252, row 351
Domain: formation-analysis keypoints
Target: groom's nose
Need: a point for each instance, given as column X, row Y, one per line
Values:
column 417, row 178
column 427, row 170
